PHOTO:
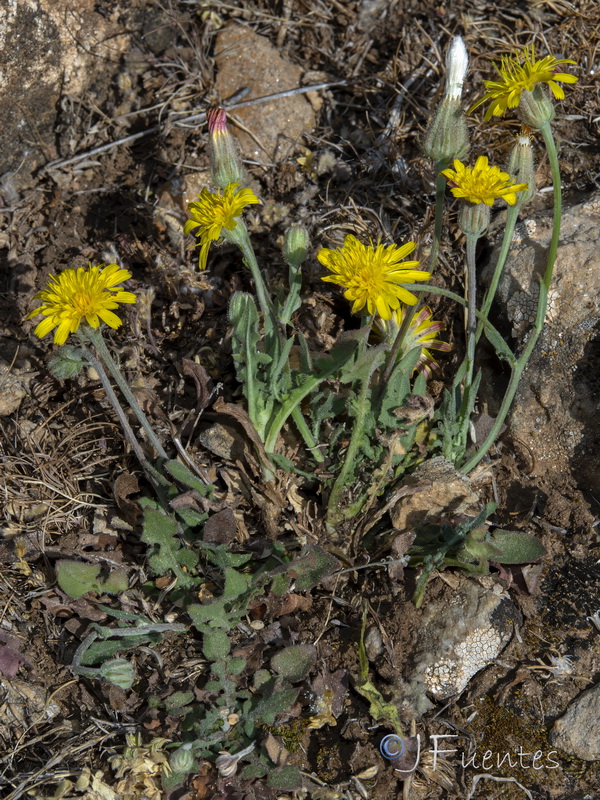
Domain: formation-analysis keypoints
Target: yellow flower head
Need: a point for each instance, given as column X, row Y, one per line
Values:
column 422, row 332
column 482, row 183
column 371, row 274
column 79, row 294
column 214, row 211
column 522, row 72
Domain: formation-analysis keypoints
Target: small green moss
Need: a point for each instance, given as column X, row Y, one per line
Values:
column 291, row 733
column 327, row 757
column 502, row 731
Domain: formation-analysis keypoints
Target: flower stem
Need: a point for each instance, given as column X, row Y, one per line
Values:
column 440, row 192
column 334, row 512
column 409, row 312
column 239, row 236
column 511, row 221
column 471, row 305
column 95, row 337
column 541, row 309
column 469, row 362
column 112, row 397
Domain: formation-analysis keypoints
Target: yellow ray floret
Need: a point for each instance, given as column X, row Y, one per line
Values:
column 522, row 72
column 214, row 211
column 482, row 183
column 81, row 294
column 422, row 333
column 371, row 274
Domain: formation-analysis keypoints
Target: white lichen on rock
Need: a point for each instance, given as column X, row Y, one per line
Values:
column 463, row 631
column 450, row 676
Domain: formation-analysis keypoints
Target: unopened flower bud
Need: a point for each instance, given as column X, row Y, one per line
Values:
column 521, row 166
column 119, row 672
column 457, row 62
column 447, row 136
column 536, row 108
column 473, row 218
column 226, row 164
column 182, row 760
column 295, row 246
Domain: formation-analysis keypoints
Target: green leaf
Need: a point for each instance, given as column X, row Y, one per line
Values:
column 178, row 700
column 516, row 547
column 76, row 579
column 215, row 645
column 311, row 567
column 100, row 651
column 274, row 703
column 295, row 662
column 236, row 583
column 235, row 666
column 280, row 585
column 285, row 778
column 210, row 615
column 166, row 554
column 184, row 475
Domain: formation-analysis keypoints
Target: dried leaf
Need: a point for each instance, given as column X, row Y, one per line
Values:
column 220, row 528
column 126, row 485
column 10, row 657
column 202, row 380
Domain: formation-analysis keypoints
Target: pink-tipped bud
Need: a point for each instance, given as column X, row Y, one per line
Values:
column 226, row 164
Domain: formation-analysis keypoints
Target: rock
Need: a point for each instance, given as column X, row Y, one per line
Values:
column 223, row 440
column 555, row 413
column 440, row 491
column 245, row 59
column 578, row 731
column 462, row 632
column 15, row 380
column 47, row 48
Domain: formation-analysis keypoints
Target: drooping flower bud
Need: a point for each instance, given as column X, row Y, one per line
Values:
column 447, row 136
column 182, row 760
column 295, row 246
column 520, row 164
column 226, row 164
column 119, row 672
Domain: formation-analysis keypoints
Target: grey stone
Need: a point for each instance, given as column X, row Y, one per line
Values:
column 577, row 732
column 47, row 48
column 555, row 413
column 462, row 633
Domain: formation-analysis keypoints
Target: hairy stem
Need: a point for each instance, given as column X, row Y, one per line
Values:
column 95, row 337
column 518, row 369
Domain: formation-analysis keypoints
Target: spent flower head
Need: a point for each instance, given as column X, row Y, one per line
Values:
column 81, row 294
column 522, row 72
column 422, row 333
column 482, row 183
column 372, row 274
column 213, row 212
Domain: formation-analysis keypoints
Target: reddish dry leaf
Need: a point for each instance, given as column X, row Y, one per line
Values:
column 334, row 682
column 10, row 657
column 127, row 484
column 220, row 528
column 202, row 380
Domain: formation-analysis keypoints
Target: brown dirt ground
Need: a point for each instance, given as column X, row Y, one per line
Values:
column 62, row 451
